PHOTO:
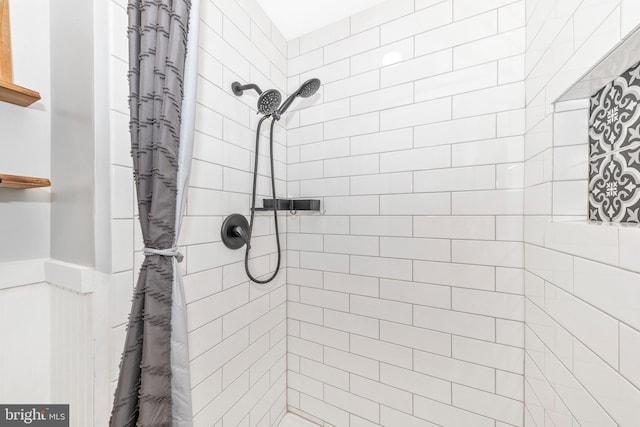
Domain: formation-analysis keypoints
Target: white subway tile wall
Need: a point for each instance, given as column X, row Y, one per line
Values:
column 237, row 333
column 407, row 305
column 580, row 284
column 440, row 158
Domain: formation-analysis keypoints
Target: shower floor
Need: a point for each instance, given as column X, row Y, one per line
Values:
column 291, row 420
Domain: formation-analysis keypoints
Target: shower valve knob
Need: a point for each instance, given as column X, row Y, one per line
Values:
column 235, row 232
column 241, row 232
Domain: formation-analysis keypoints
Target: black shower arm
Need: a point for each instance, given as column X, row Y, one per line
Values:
column 238, row 88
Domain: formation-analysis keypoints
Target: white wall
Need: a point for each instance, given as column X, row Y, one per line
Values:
column 47, row 354
column 25, row 136
column 581, row 279
column 73, row 150
column 406, row 299
column 27, row 349
column 47, row 329
column 237, row 332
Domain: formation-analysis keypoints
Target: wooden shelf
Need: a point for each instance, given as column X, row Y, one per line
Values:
column 14, row 181
column 17, row 95
column 9, row 92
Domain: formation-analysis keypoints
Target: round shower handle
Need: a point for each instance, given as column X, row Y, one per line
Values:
column 235, row 232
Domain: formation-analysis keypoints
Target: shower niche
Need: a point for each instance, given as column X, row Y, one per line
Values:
column 610, row 93
column 614, row 147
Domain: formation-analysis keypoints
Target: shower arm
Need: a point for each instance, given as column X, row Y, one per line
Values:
column 238, row 89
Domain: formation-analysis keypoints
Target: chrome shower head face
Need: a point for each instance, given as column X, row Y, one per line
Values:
column 309, row 88
column 269, row 101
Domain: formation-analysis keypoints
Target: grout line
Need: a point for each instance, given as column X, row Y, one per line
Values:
column 570, row 370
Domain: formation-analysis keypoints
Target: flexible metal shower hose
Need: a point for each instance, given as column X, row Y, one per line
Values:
column 253, row 204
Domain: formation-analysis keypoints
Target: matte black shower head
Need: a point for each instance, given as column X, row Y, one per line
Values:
column 308, row 88
column 269, row 100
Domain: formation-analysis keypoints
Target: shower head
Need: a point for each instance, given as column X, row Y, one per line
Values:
column 269, row 100
column 308, row 89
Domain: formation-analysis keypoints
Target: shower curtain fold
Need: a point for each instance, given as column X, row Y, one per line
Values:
column 153, row 385
column 181, row 379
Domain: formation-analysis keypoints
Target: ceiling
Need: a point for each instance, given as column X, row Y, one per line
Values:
column 298, row 17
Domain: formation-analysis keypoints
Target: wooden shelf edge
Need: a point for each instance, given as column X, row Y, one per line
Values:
column 14, row 181
column 17, row 95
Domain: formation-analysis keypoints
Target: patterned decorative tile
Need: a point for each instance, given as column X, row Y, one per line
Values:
column 614, row 150
column 614, row 190
column 614, row 119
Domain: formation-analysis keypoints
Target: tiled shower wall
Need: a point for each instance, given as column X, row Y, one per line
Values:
column 405, row 299
column 237, row 332
column 581, row 280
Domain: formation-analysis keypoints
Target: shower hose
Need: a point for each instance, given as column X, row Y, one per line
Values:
column 253, row 204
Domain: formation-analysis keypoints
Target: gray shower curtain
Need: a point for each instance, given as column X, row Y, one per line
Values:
column 148, row 392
